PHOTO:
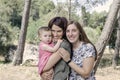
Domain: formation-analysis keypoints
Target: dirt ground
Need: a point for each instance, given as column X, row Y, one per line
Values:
column 9, row 72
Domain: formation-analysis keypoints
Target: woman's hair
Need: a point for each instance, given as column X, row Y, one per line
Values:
column 61, row 22
column 43, row 28
column 82, row 35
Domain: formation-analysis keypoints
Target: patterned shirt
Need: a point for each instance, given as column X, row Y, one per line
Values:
column 82, row 52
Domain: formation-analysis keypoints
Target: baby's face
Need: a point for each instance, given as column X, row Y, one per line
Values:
column 46, row 36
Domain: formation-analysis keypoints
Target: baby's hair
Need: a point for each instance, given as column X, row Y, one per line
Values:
column 43, row 28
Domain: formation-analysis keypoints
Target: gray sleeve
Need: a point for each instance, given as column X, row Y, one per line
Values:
column 61, row 69
column 66, row 45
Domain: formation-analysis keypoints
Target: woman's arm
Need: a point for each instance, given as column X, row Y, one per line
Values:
column 54, row 58
column 47, row 75
column 84, row 71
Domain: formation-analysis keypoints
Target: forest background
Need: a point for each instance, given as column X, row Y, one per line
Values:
column 41, row 12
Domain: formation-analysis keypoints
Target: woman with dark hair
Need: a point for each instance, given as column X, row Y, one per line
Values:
column 61, row 69
column 84, row 53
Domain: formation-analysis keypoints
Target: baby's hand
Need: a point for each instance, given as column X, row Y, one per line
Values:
column 60, row 40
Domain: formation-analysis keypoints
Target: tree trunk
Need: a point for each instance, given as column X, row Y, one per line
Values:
column 84, row 14
column 107, row 30
column 117, row 45
column 21, row 43
column 69, row 10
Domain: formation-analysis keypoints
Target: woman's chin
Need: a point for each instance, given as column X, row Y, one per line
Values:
column 71, row 41
column 55, row 40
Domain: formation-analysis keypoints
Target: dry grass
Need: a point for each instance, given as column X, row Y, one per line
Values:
column 9, row 72
column 108, row 73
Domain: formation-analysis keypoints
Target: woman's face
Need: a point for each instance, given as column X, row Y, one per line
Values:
column 72, row 33
column 57, row 33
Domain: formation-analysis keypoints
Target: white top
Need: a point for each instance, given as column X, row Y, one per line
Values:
column 82, row 52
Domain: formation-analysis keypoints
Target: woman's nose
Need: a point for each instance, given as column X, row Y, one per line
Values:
column 55, row 34
column 70, row 33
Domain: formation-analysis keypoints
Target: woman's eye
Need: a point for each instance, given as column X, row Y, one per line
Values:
column 67, row 30
column 74, row 30
column 45, row 35
column 53, row 31
column 50, row 35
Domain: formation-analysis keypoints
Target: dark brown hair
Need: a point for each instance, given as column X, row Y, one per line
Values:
column 60, row 22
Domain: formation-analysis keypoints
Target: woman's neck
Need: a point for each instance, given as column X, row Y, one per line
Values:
column 76, row 45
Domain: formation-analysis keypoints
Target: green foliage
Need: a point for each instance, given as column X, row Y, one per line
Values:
column 16, row 16
column 97, row 19
column 113, row 35
column 4, row 12
column 11, row 11
column 32, row 32
column 75, row 17
column 47, row 7
column 4, row 34
column 40, row 8
column 2, row 62
column 84, row 16
column 92, row 34
column 32, row 35
column 107, row 60
column 88, row 4
column 41, row 12
column 15, row 33
column 5, row 37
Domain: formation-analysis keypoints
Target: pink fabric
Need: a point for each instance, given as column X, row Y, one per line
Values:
column 43, row 57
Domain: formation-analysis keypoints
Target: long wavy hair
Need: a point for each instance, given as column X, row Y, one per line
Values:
column 82, row 35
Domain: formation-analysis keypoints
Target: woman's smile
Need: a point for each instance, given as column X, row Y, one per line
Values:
column 72, row 33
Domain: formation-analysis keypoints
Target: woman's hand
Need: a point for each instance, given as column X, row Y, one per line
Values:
column 64, row 54
column 48, row 75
